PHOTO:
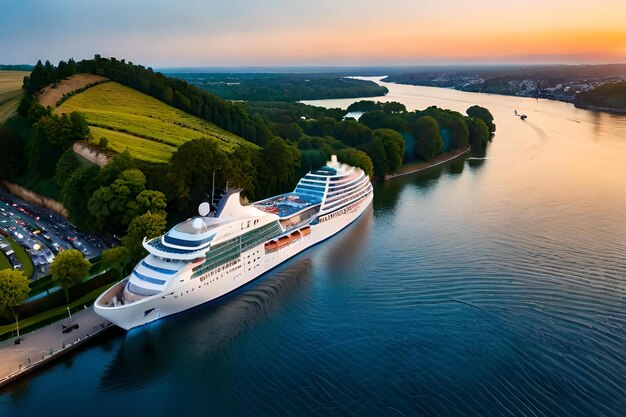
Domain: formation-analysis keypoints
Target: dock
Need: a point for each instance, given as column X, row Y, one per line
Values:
column 42, row 346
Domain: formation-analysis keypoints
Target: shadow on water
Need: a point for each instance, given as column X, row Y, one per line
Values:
column 344, row 249
column 150, row 352
column 477, row 158
column 388, row 193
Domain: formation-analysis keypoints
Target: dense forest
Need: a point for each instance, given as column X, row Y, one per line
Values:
column 282, row 87
column 608, row 96
column 133, row 198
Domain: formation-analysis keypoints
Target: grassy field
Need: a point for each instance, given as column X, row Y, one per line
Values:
column 4, row 262
column 10, row 92
column 150, row 129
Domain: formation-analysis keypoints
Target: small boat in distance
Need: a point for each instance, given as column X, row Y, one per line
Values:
column 521, row 116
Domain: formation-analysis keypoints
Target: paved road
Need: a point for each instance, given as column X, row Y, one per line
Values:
column 45, row 343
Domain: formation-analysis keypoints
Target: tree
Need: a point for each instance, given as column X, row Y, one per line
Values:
column 42, row 155
column 148, row 225
column 353, row 133
column 68, row 269
column 191, row 171
column 281, row 162
column 68, row 163
column 363, row 106
column 393, row 145
column 393, row 107
column 116, row 258
column 428, row 141
column 147, row 200
column 81, row 184
column 374, row 119
column 104, row 142
column 356, row 158
column 14, row 289
column 12, row 161
column 459, row 132
column 484, row 115
column 478, row 133
column 109, row 204
column 79, row 125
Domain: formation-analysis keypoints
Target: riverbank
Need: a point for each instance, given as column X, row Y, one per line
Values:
column 598, row 108
column 42, row 346
column 422, row 166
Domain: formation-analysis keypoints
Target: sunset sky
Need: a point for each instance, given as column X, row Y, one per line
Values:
column 315, row 32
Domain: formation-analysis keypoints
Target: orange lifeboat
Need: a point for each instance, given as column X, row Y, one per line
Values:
column 283, row 241
column 306, row 230
column 271, row 245
column 295, row 236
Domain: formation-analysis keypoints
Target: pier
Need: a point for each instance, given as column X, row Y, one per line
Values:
column 42, row 346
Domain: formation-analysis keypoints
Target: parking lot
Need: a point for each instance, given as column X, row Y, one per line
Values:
column 41, row 233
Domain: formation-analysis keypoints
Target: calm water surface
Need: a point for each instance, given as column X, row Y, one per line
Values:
column 494, row 286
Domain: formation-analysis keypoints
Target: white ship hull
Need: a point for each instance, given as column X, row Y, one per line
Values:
column 250, row 265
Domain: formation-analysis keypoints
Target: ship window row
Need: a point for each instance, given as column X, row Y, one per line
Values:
column 226, row 268
column 338, row 195
column 346, row 180
column 149, row 279
column 312, row 184
column 311, row 188
column 216, row 262
column 336, row 188
column 218, row 254
column 346, row 201
column 314, row 180
column 348, row 190
column 140, row 290
column 262, row 234
column 188, row 243
column 158, row 269
column 156, row 243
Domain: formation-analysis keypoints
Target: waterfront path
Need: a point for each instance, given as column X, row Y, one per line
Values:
column 46, row 344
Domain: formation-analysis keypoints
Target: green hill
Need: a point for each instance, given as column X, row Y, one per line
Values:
column 149, row 128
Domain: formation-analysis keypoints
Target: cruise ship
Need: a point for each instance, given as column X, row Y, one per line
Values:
column 213, row 254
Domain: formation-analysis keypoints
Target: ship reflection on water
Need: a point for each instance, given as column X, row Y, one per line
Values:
column 151, row 351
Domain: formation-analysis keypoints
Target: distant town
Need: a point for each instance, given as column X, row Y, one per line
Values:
column 556, row 82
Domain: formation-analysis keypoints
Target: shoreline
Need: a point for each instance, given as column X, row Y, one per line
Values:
column 423, row 166
column 591, row 107
column 573, row 102
column 47, row 344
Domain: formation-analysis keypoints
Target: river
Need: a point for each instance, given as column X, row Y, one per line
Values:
column 492, row 286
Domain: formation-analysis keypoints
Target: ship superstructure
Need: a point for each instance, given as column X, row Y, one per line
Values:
column 210, row 255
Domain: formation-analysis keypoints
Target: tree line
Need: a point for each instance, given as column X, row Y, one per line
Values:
column 282, row 87
column 175, row 92
column 384, row 137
